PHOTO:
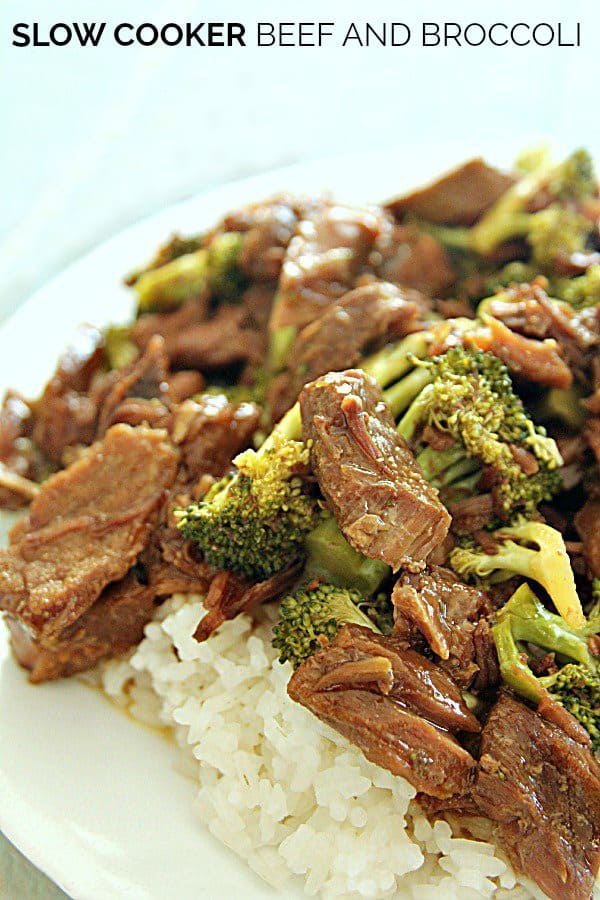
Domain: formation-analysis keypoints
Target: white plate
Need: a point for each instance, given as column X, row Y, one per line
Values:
column 89, row 796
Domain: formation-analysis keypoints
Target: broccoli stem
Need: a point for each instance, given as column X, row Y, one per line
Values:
column 331, row 557
column 514, row 670
column 395, row 360
column 524, row 620
column 417, row 412
column 442, row 466
column 402, row 394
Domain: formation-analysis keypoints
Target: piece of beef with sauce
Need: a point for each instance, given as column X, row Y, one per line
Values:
column 22, row 464
column 527, row 309
column 340, row 336
column 331, row 246
column 409, row 257
column 230, row 594
column 458, row 198
column 367, row 473
column 542, row 788
column 268, row 227
column 146, row 380
column 526, row 358
column 211, row 431
column 86, row 529
column 587, row 523
column 449, row 616
column 113, row 624
column 65, row 414
column 401, row 710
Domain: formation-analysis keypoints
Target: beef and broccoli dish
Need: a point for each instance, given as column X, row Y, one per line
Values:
column 384, row 421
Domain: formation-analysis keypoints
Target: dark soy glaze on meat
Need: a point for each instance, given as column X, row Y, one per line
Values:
column 368, row 475
column 400, row 709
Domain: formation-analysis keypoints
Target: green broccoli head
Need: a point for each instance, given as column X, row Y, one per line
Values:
column 577, row 688
column 581, row 292
column 556, row 233
column 574, row 178
column 256, row 521
column 470, row 396
column 524, row 623
column 314, row 615
column 531, row 549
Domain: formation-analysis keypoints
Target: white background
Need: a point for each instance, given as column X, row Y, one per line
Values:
column 94, row 139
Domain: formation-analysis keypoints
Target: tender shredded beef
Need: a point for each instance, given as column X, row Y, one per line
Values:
column 85, row 529
column 413, row 259
column 587, row 523
column 528, row 310
column 229, row 595
column 339, row 337
column 223, row 340
column 526, row 358
column 268, row 228
column 400, row 709
column 145, row 380
column 368, row 475
column 210, row 431
column 543, row 789
column 447, row 614
column 65, row 415
column 330, row 247
column 169, row 324
column 113, row 624
column 458, row 198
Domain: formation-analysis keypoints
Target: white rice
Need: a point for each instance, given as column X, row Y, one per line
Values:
column 286, row 792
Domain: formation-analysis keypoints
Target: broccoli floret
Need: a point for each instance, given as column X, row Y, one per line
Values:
column 469, row 394
column 314, row 615
column 255, row 522
column 574, row 178
column 577, row 688
column 554, row 233
column 524, row 622
column 175, row 247
column 581, row 292
column 210, row 269
column 533, row 550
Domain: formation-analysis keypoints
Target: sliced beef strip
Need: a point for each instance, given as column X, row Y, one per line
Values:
column 223, row 340
column 543, row 789
column 458, row 198
column 527, row 309
column 146, row 379
column 229, row 595
column 331, row 245
column 338, row 338
column 210, row 431
column 65, row 415
column 168, row 324
column 537, row 361
column 21, row 462
column 366, row 472
column 397, row 707
column 113, row 624
column 445, row 612
column 587, row 523
column 526, row 358
column 268, row 228
column 412, row 259
column 86, row 528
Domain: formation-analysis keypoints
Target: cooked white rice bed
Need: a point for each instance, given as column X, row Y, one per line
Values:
column 284, row 791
